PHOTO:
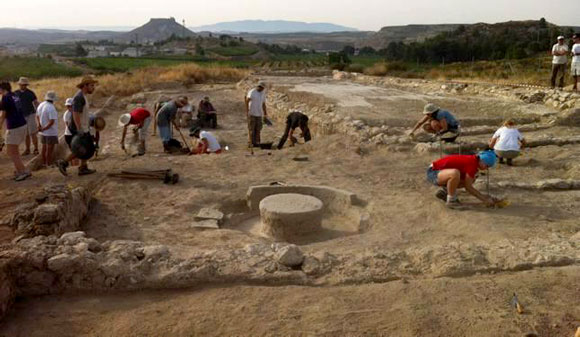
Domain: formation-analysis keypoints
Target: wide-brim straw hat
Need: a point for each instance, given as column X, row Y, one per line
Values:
column 125, row 119
column 430, row 108
column 87, row 80
column 23, row 81
column 50, row 96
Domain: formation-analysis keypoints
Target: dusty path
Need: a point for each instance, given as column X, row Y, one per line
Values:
column 403, row 215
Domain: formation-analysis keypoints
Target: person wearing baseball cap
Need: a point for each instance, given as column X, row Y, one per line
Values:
column 459, row 171
column 559, row 61
column 576, row 60
column 256, row 112
column 438, row 121
column 28, row 104
column 67, row 119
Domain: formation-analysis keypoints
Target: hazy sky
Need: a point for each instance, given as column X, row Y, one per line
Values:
column 361, row 14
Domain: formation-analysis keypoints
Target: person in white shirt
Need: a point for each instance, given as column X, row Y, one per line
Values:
column 559, row 61
column 67, row 119
column 576, row 60
column 47, row 121
column 207, row 143
column 507, row 142
column 256, row 112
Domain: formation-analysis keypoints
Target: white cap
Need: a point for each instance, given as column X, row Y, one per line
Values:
column 561, row 37
column 261, row 84
column 50, row 96
column 125, row 119
column 69, row 102
column 430, row 108
column 187, row 108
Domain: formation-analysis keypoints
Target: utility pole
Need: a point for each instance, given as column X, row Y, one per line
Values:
column 137, row 44
column 183, row 34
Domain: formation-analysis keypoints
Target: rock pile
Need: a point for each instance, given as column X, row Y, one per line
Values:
column 58, row 209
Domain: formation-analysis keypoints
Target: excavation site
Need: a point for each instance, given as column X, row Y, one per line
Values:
column 339, row 236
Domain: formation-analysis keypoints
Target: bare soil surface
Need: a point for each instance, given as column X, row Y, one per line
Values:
column 404, row 214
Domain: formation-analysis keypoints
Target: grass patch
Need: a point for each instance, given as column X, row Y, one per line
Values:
column 11, row 68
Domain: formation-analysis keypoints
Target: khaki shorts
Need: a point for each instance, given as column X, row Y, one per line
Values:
column 48, row 140
column 144, row 131
column 507, row 154
column 576, row 69
column 16, row 136
column 31, row 127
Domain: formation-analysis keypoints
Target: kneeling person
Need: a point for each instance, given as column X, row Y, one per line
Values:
column 207, row 142
column 439, row 122
column 459, row 171
column 140, row 118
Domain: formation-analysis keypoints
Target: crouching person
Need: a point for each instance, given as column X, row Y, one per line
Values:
column 140, row 118
column 440, row 122
column 507, row 142
column 296, row 119
column 459, row 171
column 207, row 143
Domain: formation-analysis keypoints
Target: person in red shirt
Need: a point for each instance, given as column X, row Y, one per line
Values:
column 458, row 171
column 140, row 118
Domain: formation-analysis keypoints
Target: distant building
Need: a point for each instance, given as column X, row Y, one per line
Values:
column 130, row 52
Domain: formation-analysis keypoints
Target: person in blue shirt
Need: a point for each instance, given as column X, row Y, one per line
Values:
column 439, row 122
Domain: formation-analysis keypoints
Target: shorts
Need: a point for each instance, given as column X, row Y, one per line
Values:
column 68, row 139
column 32, row 127
column 432, row 176
column 451, row 135
column 507, row 154
column 48, row 140
column 575, row 69
column 144, row 131
column 16, row 136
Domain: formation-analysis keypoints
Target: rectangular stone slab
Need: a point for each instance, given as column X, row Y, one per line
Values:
column 212, row 224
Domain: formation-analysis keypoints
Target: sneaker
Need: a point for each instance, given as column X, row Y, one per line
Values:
column 26, row 153
column 83, row 171
column 36, row 153
column 454, row 204
column 23, row 176
column 441, row 194
column 62, row 166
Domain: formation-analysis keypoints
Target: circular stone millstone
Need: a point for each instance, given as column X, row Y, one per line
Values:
column 285, row 216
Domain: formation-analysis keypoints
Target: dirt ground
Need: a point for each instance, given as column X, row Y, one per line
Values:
column 403, row 212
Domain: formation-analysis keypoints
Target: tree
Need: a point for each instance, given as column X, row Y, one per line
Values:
column 543, row 23
column 80, row 51
column 348, row 50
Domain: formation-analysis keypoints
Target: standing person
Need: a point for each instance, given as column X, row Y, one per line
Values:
column 576, row 60
column 27, row 105
column 140, row 118
column 166, row 117
column 295, row 119
column 15, row 129
column 67, row 119
column 507, row 142
column 255, row 113
column 559, row 62
column 80, row 122
column 439, row 122
column 458, row 171
column 48, row 127
column 207, row 114
column 207, row 142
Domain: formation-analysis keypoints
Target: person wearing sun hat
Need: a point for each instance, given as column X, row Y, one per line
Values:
column 48, row 126
column 559, row 61
column 459, row 171
column 27, row 104
column 440, row 122
column 80, row 121
column 141, row 119
column 256, row 112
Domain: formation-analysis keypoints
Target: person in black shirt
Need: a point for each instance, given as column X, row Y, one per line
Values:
column 296, row 119
column 28, row 105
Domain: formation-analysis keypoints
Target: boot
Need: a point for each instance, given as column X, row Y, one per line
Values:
column 84, row 170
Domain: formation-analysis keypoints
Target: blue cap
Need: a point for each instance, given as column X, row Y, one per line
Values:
column 488, row 157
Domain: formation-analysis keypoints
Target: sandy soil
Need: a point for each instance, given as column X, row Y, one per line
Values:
column 404, row 214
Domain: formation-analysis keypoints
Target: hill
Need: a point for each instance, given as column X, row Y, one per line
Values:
column 408, row 33
column 26, row 36
column 156, row 30
column 272, row 26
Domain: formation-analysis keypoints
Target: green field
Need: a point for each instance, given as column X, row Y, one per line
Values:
column 11, row 68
